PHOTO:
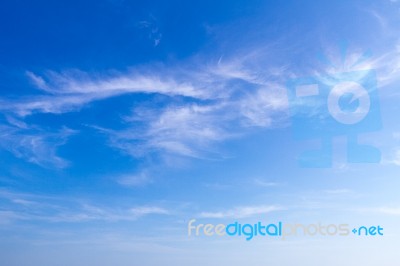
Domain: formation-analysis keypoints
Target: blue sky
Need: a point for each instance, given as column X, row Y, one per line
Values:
column 123, row 120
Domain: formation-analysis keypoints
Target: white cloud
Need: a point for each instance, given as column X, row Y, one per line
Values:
column 380, row 19
column 185, row 130
column 148, row 210
column 241, row 212
column 89, row 213
column 152, row 29
column 59, row 209
column 389, row 210
column 262, row 183
column 338, row 191
column 135, row 180
column 257, row 107
column 71, row 90
column 7, row 217
column 396, row 159
column 34, row 144
column 392, row 155
column 204, row 105
column 392, row 211
column 192, row 129
column 386, row 65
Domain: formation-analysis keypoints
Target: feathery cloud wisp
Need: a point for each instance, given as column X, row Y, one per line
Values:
column 241, row 212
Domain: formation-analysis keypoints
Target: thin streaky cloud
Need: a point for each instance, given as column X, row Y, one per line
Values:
column 213, row 111
column 60, row 209
column 396, row 157
column 241, row 212
column 148, row 210
column 34, row 144
column 389, row 210
column 263, row 183
column 338, row 191
column 188, row 129
column 382, row 210
column 70, row 90
column 135, row 180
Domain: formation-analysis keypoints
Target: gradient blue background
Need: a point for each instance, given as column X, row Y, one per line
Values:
column 123, row 120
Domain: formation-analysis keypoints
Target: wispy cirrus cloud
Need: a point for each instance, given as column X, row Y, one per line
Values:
column 187, row 130
column 192, row 129
column 150, row 25
column 33, row 143
column 382, row 210
column 135, row 180
column 389, row 210
column 71, row 90
column 57, row 209
column 339, row 191
column 204, row 105
column 148, row 210
column 395, row 158
column 220, row 102
column 242, row 212
column 263, row 183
